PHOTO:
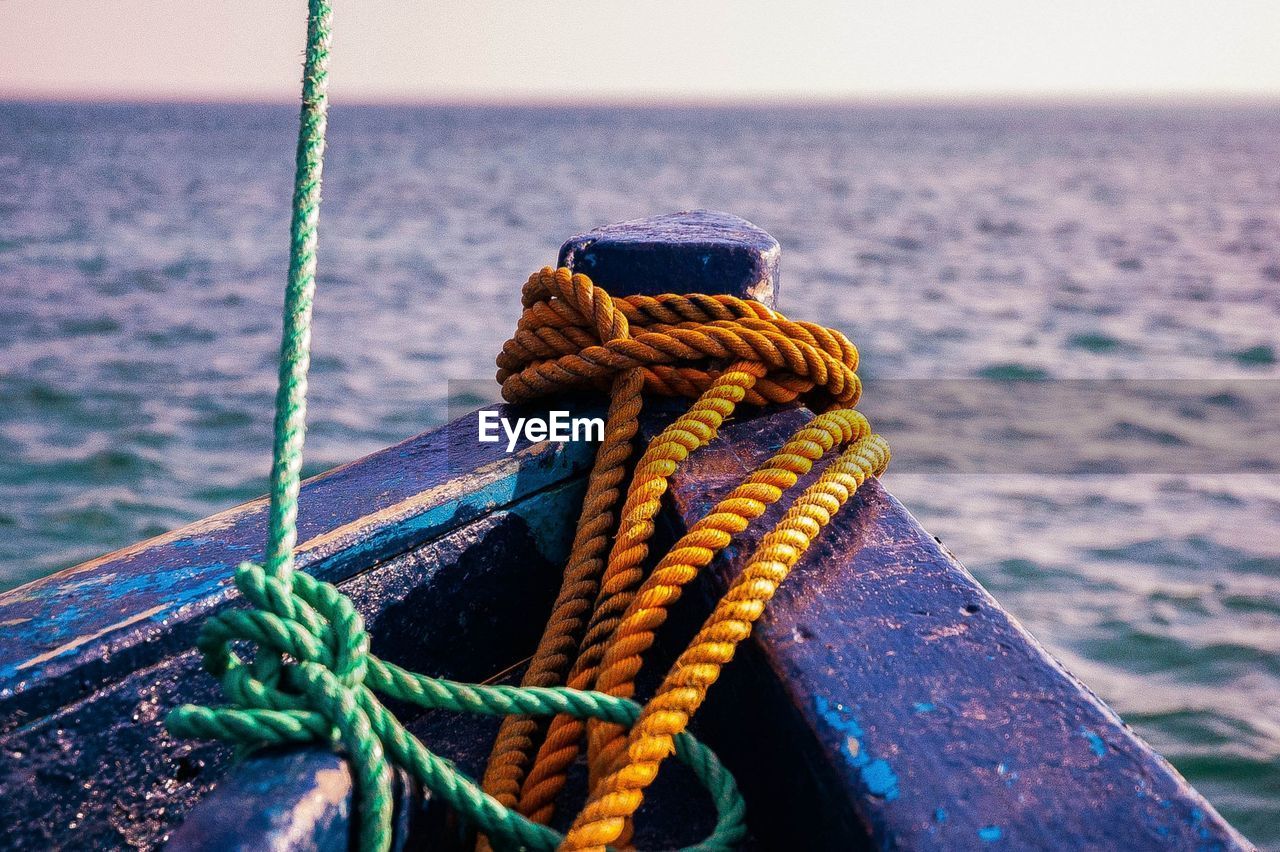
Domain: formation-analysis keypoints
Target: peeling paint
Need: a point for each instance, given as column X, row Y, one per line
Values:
column 76, row 643
column 876, row 774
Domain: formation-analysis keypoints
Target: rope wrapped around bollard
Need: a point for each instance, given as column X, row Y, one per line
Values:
column 312, row 677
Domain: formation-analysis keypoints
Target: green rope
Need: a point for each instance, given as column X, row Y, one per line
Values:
column 326, row 694
column 312, row 678
column 295, row 345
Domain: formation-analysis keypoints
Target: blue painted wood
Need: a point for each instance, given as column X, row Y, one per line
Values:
column 892, row 690
column 101, row 772
column 699, row 251
column 80, row 629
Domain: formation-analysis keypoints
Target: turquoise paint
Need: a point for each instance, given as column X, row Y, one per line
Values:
column 990, row 833
column 876, row 774
column 940, row 815
column 924, row 706
column 1096, row 744
column 880, row 779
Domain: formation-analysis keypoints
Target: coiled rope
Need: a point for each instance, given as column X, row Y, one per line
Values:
column 573, row 335
column 312, row 677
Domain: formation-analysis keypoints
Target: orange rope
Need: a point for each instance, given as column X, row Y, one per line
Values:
column 722, row 351
column 516, row 736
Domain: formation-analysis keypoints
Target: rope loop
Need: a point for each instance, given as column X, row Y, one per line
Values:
column 721, row 352
column 574, row 336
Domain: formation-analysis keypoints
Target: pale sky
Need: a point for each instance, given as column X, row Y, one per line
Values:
column 449, row 50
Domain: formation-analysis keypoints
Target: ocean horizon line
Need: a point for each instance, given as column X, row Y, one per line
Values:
column 1172, row 100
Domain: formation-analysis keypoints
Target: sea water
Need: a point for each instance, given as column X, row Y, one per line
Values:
column 142, row 256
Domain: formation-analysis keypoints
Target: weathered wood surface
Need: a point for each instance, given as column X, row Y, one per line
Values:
column 450, row 578
column 700, row 251
column 75, row 631
column 886, row 694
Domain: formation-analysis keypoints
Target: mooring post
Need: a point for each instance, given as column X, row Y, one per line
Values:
column 699, row 251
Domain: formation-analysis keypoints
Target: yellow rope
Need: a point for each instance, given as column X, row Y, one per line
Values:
column 615, row 798
column 647, row 612
column 690, row 431
column 722, row 351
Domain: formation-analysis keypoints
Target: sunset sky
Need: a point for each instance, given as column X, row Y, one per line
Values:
column 658, row 50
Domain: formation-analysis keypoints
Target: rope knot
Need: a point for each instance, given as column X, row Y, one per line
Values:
column 587, row 303
column 573, row 335
column 306, row 636
column 312, row 678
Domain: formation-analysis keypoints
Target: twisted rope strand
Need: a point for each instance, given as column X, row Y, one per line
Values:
column 515, row 742
column 683, row 690
column 636, row 629
column 679, row 566
column 692, row 430
column 295, row 346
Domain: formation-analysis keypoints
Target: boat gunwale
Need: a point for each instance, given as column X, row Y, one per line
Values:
column 56, row 650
